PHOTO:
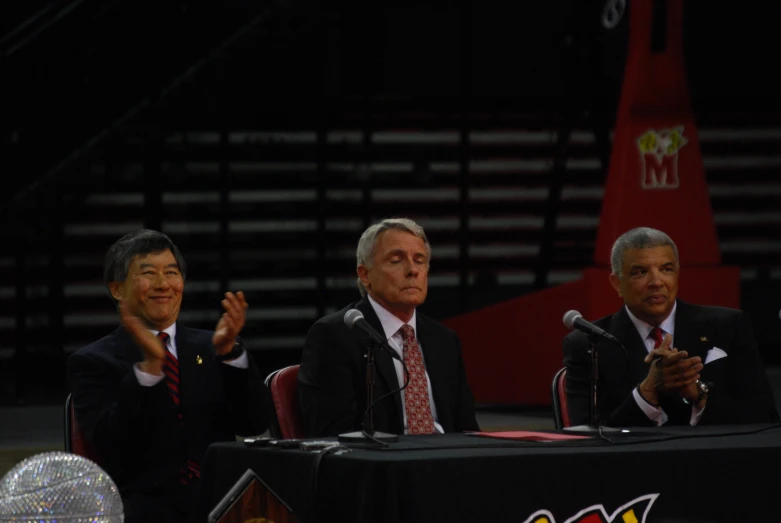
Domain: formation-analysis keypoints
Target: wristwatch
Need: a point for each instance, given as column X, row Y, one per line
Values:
column 235, row 352
column 702, row 391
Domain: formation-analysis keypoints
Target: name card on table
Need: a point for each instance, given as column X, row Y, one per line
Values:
column 250, row 500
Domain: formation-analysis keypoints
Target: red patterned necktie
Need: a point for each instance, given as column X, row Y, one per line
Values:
column 416, row 401
column 657, row 335
column 171, row 372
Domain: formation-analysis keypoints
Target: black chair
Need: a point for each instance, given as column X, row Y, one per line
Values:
column 286, row 422
column 75, row 442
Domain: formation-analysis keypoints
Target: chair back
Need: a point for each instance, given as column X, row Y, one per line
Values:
column 559, row 395
column 75, row 442
column 283, row 384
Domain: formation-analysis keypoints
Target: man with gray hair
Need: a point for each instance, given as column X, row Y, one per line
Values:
column 684, row 364
column 392, row 264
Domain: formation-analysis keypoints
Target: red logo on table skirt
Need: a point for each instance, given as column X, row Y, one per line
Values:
column 635, row 511
column 659, row 157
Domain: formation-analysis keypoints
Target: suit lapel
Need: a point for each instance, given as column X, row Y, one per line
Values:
column 432, row 352
column 383, row 362
column 690, row 334
column 623, row 329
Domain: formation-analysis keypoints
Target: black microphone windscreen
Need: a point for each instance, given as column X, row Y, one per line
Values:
column 570, row 317
column 351, row 316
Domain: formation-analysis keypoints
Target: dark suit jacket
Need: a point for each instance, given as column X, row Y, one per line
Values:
column 135, row 429
column 332, row 377
column 740, row 392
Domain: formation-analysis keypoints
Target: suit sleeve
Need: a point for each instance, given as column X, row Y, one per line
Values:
column 326, row 387
column 747, row 396
column 616, row 408
column 248, row 399
column 112, row 409
column 465, row 410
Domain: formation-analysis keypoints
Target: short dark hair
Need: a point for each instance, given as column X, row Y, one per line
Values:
column 116, row 264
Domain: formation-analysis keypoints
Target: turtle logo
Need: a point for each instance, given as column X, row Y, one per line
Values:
column 633, row 512
column 659, row 157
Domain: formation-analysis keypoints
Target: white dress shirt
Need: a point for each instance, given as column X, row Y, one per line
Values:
column 657, row 414
column 150, row 380
column 391, row 325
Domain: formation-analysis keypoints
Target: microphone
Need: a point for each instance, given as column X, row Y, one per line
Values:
column 574, row 320
column 354, row 319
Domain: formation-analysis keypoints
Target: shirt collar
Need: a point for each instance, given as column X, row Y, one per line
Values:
column 171, row 331
column 644, row 329
column 390, row 323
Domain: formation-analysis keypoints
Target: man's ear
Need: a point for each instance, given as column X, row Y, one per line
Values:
column 115, row 288
column 363, row 274
column 616, row 283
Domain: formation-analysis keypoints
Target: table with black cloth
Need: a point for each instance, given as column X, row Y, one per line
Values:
column 698, row 474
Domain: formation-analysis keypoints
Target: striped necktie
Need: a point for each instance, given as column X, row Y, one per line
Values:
column 171, row 371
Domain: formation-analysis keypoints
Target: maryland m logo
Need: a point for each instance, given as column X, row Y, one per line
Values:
column 659, row 157
column 633, row 512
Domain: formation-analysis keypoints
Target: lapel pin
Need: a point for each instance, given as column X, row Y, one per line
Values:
column 198, row 359
column 703, row 338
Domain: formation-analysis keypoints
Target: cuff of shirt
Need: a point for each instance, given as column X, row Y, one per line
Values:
column 696, row 415
column 145, row 379
column 242, row 362
column 655, row 414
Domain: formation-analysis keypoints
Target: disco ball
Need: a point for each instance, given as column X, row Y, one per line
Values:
column 57, row 487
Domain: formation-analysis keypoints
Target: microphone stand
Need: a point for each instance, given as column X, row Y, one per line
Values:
column 368, row 435
column 593, row 414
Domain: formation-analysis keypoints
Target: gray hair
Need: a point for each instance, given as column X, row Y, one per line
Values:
column 639, row 238
column 116, row 264
column 364, row 255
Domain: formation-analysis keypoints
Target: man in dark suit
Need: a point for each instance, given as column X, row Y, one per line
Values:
column 154, row 394
column 684, row 364
column 392, row 265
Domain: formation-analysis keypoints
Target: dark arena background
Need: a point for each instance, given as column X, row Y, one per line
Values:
column 263, row 137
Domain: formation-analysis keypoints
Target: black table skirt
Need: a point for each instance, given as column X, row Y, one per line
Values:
column 697, row 475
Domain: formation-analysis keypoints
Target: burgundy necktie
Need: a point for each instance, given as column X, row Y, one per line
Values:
column 657, row 335
column 416, row 402
column 171, row 372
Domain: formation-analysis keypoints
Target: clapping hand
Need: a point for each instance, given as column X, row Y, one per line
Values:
column 230, row 323
column 151, row 347
column 671, row 371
